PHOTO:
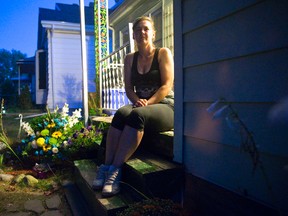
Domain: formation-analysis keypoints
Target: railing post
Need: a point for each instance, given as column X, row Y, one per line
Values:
column 101, row 42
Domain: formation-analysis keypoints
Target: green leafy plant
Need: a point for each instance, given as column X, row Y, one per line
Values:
column 154, row 207
column 3, row 137
column 1, row 159
column 223, row 109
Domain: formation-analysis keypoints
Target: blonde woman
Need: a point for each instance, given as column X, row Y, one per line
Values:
column 149, row 77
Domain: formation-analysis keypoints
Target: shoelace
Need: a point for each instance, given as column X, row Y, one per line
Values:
column 112, row 177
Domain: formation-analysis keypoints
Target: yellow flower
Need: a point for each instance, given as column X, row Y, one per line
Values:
column 40, row 141
column 46, row 148
column 51, row 125
column 57, row 134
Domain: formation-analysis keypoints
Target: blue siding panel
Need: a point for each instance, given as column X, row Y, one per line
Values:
column 256, row 78
column 203, row 12
column 257, row 29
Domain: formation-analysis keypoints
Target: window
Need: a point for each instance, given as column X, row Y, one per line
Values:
column 124, row 36
column 42, row 71
column 157, row 18
column 168, row 31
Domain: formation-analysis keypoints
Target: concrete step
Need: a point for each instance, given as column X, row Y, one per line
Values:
column 84, row 174
column 144, row 176
column 154, row 176
column 76, row 200
column 159, row 143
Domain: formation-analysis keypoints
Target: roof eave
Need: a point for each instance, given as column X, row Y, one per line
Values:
column 64, row 26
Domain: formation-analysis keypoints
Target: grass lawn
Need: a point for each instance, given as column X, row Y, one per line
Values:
column 11, row 123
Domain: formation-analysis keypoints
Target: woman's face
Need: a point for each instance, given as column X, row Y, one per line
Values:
column 144, row 32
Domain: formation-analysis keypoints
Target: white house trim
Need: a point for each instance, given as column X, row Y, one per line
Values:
column 66, row 26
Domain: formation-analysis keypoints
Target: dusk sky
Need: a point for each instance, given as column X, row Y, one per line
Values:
column 19, row 20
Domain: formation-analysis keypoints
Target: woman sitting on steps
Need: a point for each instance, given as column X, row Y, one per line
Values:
column 149, row 77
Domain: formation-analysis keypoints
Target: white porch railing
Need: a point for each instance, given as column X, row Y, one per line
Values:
column 112, row 91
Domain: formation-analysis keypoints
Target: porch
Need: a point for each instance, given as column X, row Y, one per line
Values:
column 111, row 80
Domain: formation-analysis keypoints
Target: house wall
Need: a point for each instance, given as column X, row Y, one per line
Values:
column 131, row 10
column 65, row 68
column 236, row 50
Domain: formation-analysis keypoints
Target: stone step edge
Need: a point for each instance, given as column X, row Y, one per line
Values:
column 75, row 199
column 102, row 206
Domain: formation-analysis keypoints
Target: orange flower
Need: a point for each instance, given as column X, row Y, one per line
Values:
column 46, row 148
column 51, row 125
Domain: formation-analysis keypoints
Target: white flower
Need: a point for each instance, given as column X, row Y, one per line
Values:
column 65, row 110
column 65, row 143
column 34, row 144
column 55, row 150
column 26, row 126
column 2, row 146
column 77, row 114
column 56, row 109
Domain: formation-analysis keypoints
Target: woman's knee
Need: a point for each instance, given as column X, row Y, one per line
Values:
column 136, row 119
column 120, row 116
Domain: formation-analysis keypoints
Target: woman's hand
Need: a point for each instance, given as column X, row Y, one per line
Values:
column 141, row 103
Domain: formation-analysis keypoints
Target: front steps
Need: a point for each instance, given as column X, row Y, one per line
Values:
column 149, row 173
column 144, row 176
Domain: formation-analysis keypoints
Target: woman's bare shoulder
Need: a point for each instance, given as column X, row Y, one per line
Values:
column 165, row 54
column 129, row 58
column 164, row 51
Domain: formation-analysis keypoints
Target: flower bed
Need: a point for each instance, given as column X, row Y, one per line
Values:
column 58, row 136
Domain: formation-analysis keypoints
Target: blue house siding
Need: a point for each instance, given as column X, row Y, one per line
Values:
column 236, row 50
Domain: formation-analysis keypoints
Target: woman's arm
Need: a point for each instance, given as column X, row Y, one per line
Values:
column 127, row 78
column 166, row 66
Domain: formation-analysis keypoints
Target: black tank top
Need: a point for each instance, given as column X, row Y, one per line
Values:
column 147, row 84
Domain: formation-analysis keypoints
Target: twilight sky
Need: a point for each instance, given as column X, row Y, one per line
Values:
column 18, row 21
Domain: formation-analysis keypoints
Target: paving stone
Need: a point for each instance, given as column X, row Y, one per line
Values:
column 34, row 205
column 6, row 177
column 12, row 207
column 54, row 202
column 52, row 213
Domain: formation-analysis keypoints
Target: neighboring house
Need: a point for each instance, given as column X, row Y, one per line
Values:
column 235, row 50
column 58, row 56
column 26, row 76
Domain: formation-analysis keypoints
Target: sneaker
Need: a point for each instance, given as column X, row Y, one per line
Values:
column 100, row 178
column 112, row 184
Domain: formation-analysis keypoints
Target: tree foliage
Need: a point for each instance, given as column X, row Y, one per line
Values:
column 8, row 69
column 8, row 66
